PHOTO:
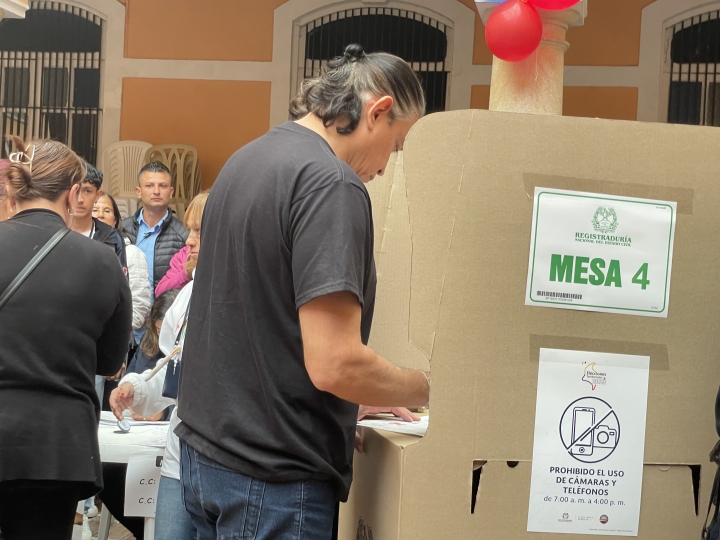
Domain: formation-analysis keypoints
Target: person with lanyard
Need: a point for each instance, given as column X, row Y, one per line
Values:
column 148, row 393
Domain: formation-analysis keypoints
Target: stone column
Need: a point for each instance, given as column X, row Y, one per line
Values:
column 535, row 85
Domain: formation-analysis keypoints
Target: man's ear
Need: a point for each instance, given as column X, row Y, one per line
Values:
column 172, row 191
column 98, row 195
column 137, row 192
column 380, row 108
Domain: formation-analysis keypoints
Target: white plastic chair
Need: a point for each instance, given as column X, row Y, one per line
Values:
column 182, row 160
column 121, row 163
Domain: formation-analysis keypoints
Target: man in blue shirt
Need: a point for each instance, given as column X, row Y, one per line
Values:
column 153, row 228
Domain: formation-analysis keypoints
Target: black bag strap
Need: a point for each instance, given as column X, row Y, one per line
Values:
column 714, row 458
column 25, row 272
column 710, row 522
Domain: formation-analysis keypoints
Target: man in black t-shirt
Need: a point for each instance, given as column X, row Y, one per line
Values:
column 275, row 358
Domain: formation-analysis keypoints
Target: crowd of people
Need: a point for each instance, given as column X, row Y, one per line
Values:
column 268, row 323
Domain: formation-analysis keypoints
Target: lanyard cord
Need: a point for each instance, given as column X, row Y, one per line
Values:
column 181, row 334
column 181, row 337
column 176, row 352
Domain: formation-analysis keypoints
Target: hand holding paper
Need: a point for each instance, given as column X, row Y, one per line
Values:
column 400, row 412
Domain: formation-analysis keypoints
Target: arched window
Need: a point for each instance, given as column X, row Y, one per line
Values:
column 418, row 39
column 694, row 71
column 50, row 76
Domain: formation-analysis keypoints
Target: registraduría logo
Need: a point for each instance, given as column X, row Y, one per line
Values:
column 605, row 220
column 605, row 223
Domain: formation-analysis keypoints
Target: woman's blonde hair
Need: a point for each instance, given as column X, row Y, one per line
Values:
column 338, row 94
column 193, row 219
column 42, row 169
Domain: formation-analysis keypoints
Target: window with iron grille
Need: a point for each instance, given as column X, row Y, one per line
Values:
column 418, row 39
column 50, row 76
column 694, row 94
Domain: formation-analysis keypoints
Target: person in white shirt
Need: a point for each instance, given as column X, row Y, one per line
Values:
column 145, row 397
column 107, row 211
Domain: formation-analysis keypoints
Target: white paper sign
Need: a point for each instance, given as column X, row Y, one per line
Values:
column 589, row 446
column 141, row 485
column 600, row 253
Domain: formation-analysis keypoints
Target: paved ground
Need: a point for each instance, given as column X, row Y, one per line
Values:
column 117, row 531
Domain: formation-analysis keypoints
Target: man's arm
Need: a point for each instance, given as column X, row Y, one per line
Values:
column 339, row 363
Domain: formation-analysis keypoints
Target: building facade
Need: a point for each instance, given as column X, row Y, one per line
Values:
column 216, row 74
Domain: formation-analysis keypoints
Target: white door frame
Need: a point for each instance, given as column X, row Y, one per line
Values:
column 459, row 19
column 653, row 82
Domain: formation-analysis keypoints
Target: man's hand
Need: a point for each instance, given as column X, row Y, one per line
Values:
column 120, row 399
column 363, row 411
column 338, row 362
column 400, row 412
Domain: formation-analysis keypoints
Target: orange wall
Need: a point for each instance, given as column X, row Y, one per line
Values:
column 217, row 117
column 200, row 29
column 600, row 102
column 610, row 36
column 480, row 97
column 588, row 101
column 243, row 30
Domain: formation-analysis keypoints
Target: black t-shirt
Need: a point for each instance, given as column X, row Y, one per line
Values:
column 286, row 222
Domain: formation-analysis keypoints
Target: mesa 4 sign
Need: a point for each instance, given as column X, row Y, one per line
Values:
column 596, row 252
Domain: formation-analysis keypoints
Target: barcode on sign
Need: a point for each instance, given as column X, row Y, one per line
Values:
column 560, row 295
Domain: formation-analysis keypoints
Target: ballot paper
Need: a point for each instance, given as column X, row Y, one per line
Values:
column 397, row 425
column 154, row 435
column 107, row 418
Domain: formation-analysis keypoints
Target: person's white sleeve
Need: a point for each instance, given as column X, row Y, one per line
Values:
column 172, row 323
column 147, row 395
column 139, row 285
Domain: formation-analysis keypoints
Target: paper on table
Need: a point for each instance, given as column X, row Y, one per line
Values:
column 147, row 435
column 107, row 418
column 397, row 425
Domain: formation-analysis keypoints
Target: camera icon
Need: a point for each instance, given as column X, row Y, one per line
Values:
column 605, row 437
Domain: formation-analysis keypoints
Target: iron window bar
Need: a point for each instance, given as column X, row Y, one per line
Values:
column 50, row 68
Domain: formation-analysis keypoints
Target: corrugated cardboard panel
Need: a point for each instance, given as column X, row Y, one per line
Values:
column 470, row 221
column 467, row 176
column 373, row 509
column 393, row 258
column 504, row 495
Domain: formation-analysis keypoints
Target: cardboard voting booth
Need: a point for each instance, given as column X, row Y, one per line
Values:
column 453, row 236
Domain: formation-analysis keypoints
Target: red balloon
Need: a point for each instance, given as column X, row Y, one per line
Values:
column 514, row 30
column 553, row 5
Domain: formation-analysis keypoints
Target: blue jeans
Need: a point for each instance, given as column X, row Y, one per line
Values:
column 226, row 504
column 172, row 522
column 100, row 391
column 100, row 387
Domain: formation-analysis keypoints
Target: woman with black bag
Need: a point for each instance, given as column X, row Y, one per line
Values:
column 65, row 314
